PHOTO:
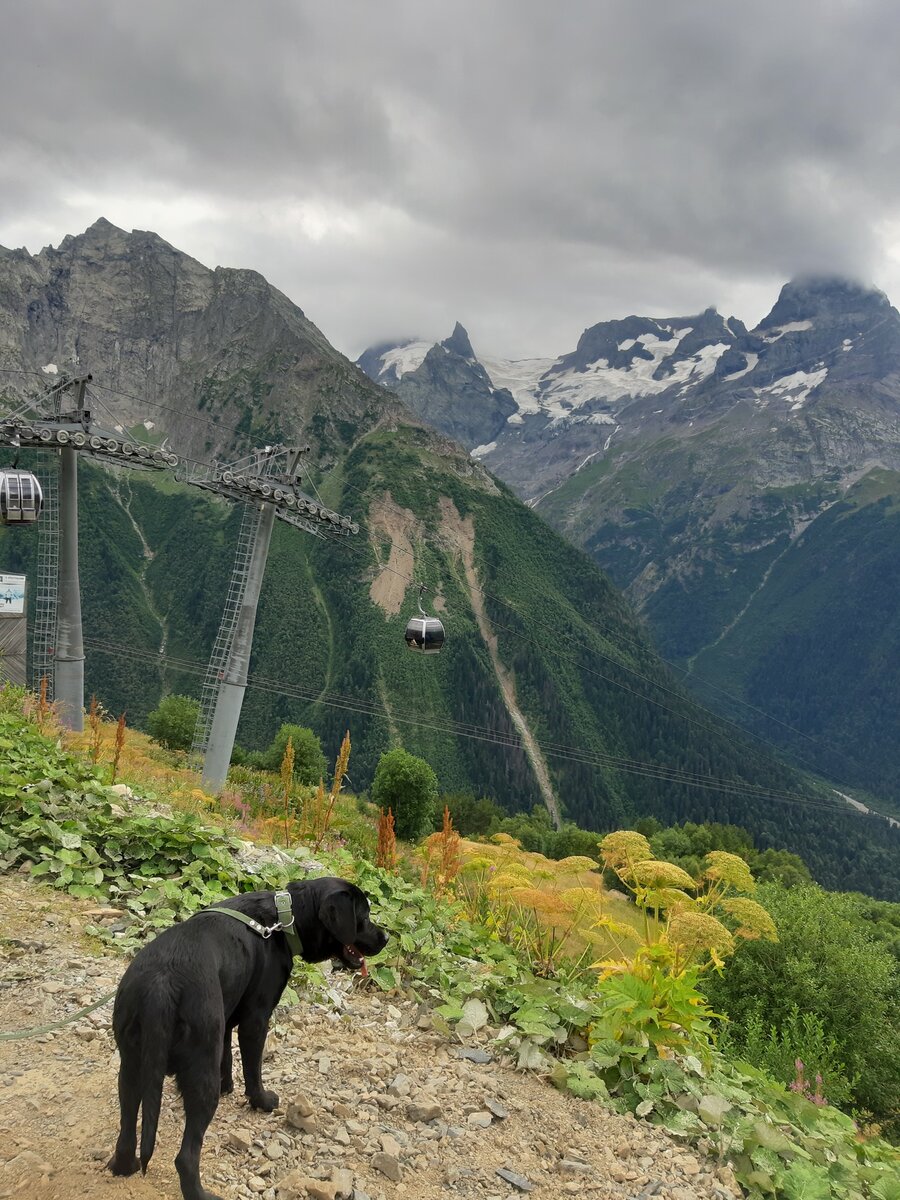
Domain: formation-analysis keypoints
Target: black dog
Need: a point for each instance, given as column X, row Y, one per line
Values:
column 180, row 998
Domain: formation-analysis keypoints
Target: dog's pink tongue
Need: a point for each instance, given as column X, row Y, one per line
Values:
column 362, row 968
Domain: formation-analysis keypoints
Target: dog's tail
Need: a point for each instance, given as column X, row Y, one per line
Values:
column 157, row 1028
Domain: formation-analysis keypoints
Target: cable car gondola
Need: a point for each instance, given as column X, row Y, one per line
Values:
column 21, row 498
column 424, row 634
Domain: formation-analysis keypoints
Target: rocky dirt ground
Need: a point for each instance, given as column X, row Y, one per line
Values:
column 373, row 1105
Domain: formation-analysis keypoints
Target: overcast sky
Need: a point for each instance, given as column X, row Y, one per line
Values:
column 525, row 166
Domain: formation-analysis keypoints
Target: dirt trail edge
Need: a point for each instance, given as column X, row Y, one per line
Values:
column 374, row 1103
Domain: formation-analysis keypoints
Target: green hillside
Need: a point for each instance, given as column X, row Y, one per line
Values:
column 585, row 677
column 819, row 646
column 783, row 595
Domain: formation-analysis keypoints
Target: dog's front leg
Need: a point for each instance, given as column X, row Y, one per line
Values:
column 252, row 1040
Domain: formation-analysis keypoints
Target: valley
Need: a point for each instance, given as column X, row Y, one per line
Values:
column 738, row 485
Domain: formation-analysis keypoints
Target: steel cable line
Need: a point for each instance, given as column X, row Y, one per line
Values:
column 458, row 726
column 496, row 737
column 178, row 412
column 682, row 716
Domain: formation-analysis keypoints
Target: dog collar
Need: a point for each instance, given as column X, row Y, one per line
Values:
column 285, row 923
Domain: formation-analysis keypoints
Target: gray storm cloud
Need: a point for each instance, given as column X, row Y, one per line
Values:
column 526, row 167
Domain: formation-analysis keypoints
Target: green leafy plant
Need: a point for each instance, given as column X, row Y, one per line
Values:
column 309, row 760
column 172, row 722
column 408, row 786
column 777, row 1048
column 652, row 993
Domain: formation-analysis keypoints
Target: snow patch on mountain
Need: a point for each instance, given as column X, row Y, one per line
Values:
column 546, row 385
column 752, row 360
column 521, row 378
column 402, row 359
column 568, row 391
column 795, row 387
column 778, row 331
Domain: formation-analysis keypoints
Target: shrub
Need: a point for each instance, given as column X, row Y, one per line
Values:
column 309, row 761
column 408, row 786
column 652, row 994
column 802, row 1038
column 471, row 817
column 828, row 964
column 172, row 722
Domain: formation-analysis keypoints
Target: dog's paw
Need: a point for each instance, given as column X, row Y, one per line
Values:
column 265, row 1101
column 124, row 1164
column 226, row 1087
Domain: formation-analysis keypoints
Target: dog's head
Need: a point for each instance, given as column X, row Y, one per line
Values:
column 344, row 931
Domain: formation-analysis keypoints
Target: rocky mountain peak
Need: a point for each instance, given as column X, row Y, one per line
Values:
column 458, row 342
column 105, row 240
column 831, row 298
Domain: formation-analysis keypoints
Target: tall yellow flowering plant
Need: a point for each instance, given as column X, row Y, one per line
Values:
column 651, row 994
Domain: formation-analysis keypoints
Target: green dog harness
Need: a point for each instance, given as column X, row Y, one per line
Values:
column 285, row 923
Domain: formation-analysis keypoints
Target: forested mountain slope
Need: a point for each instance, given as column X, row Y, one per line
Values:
column 737, row 484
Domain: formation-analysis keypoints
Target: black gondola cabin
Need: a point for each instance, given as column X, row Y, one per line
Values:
column 425, row 634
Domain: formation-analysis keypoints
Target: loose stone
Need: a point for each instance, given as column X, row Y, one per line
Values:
column 240, row 1139
column 519, row 1182
column 388, row 1165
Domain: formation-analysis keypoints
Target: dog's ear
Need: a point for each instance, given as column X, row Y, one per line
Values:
column 337, row 913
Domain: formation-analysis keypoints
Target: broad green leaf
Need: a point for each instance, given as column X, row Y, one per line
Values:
column 475, row 1013
column 805, row 1181
column 712, row 1109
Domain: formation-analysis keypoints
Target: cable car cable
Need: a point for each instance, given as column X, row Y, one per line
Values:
column 496, row 737
column 745, row 732
column 647, row 770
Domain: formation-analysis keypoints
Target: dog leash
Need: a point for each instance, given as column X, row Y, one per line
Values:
column 82, row 1012
column 285, row 924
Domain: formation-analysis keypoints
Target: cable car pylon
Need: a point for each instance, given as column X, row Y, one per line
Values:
column 266, row 481
column 43, row 423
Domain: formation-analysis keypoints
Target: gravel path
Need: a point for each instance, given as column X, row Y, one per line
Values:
column 373, row 1105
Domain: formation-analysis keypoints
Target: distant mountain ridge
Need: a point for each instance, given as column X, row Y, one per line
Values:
column 693, row 458
column 695, row 365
